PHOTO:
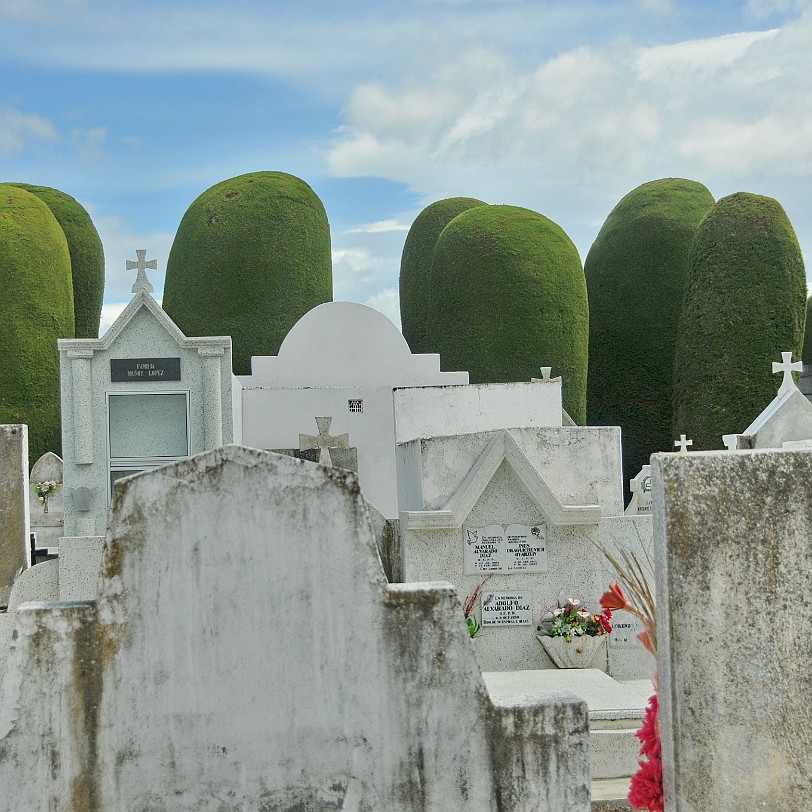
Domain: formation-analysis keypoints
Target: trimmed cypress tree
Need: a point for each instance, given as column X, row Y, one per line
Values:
column 36, row 308
column 86, row 256
column 806, row 356
column 250, row 258
column 508, row 295
column 745, row 304
column 635, row 274
column 415, row 266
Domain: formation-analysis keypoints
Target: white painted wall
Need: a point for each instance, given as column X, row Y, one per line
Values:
column 142, row 331
column 443, row 410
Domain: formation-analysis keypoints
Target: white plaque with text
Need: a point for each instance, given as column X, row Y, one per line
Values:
column 625, row 628
column 506, row 609
column 495, row 548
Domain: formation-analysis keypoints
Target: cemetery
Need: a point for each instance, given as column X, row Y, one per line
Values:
column 326, row 572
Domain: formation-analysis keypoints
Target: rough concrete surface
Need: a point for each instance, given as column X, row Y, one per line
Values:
column 247, row 653
column 734, row 553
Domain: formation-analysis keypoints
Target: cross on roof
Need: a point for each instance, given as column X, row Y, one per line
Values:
column 141, row 265
column 683, row 444
column 787, row 367
column 545, row 376
column 323, row 441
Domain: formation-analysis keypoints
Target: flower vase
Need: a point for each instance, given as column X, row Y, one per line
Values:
column 575, row 652
column 44, row 504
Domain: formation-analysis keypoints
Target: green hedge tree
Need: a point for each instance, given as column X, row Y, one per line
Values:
column 806, row 357
column 250, row 258
column 635, row 274
column 415, row 266
column 508, row 295
column 745, row 304
column 36, row 308
column 86, row 256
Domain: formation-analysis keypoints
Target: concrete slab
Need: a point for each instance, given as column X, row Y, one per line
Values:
column 615, row 710
column 605, row 697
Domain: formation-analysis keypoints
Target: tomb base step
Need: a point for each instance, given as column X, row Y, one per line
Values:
column 610, row 795
column 615, row 710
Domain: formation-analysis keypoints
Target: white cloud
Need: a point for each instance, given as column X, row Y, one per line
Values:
column 388, row 303
column 379, row 227
column 571, row 134
column 18, row 129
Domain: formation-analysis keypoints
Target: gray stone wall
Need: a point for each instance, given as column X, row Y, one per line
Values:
column 734, row 556
column 14, row 516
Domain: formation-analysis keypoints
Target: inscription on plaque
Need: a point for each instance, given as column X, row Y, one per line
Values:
column 144, row 369
column 506, row 609
column 515, row 548
column 624, row 632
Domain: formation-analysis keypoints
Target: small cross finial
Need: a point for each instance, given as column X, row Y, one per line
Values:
column 682, row 444
column 141, row 265
column 545, row 376
column 787, row 367
column 323, row 441
column 731, row 441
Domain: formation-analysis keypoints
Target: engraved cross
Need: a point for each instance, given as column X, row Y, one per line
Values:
column 323, row 441
column 683, row 444
column 141, row 265
column 787, row 367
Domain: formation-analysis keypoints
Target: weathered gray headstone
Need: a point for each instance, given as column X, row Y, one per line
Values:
column 734, row 558
column 48, row 524
column 246, row 652
column 15, row 552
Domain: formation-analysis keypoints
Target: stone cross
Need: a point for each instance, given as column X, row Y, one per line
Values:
column 141, row 265
column 683, row 444
column 323, row 441
column 545, row 376
column 787, row 367
column 731, row 441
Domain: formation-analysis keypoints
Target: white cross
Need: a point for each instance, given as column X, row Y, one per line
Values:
column 323, row 441
column 787, row 367
column 683, row 444
column 545, row 376
column 141, row 265
column 731, row 441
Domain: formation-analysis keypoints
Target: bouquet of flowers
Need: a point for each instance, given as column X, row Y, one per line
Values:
column 44, row 489
column 572, row 619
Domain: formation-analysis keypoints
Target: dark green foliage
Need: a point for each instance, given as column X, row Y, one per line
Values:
column 635, row 275
column 745, row 304
column 86, row 256
column 807, row 352
column 36, row 308
column 251, row 257
column 415, row 266
column 507, row 296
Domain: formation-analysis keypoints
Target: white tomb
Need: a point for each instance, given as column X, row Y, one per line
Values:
column 140, row 396
column 350, row 694
column 349, row 362
column 786, row 419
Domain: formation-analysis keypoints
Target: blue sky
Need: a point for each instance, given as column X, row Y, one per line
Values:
column 563, row 107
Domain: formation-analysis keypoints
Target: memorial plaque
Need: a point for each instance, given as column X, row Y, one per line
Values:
column 515, row 548
column 625, row 631
column 506, row 609
column 144, row 369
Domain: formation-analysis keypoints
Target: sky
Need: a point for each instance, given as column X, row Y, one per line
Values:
column 561, row 106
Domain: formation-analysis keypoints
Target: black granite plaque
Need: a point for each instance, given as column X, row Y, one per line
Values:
column 142, row 370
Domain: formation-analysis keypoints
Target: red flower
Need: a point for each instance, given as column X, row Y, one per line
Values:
column 614, row 598
column 646, row 789
column 604, row 621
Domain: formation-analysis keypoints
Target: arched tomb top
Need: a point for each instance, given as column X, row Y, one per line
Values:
column 347, row 344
